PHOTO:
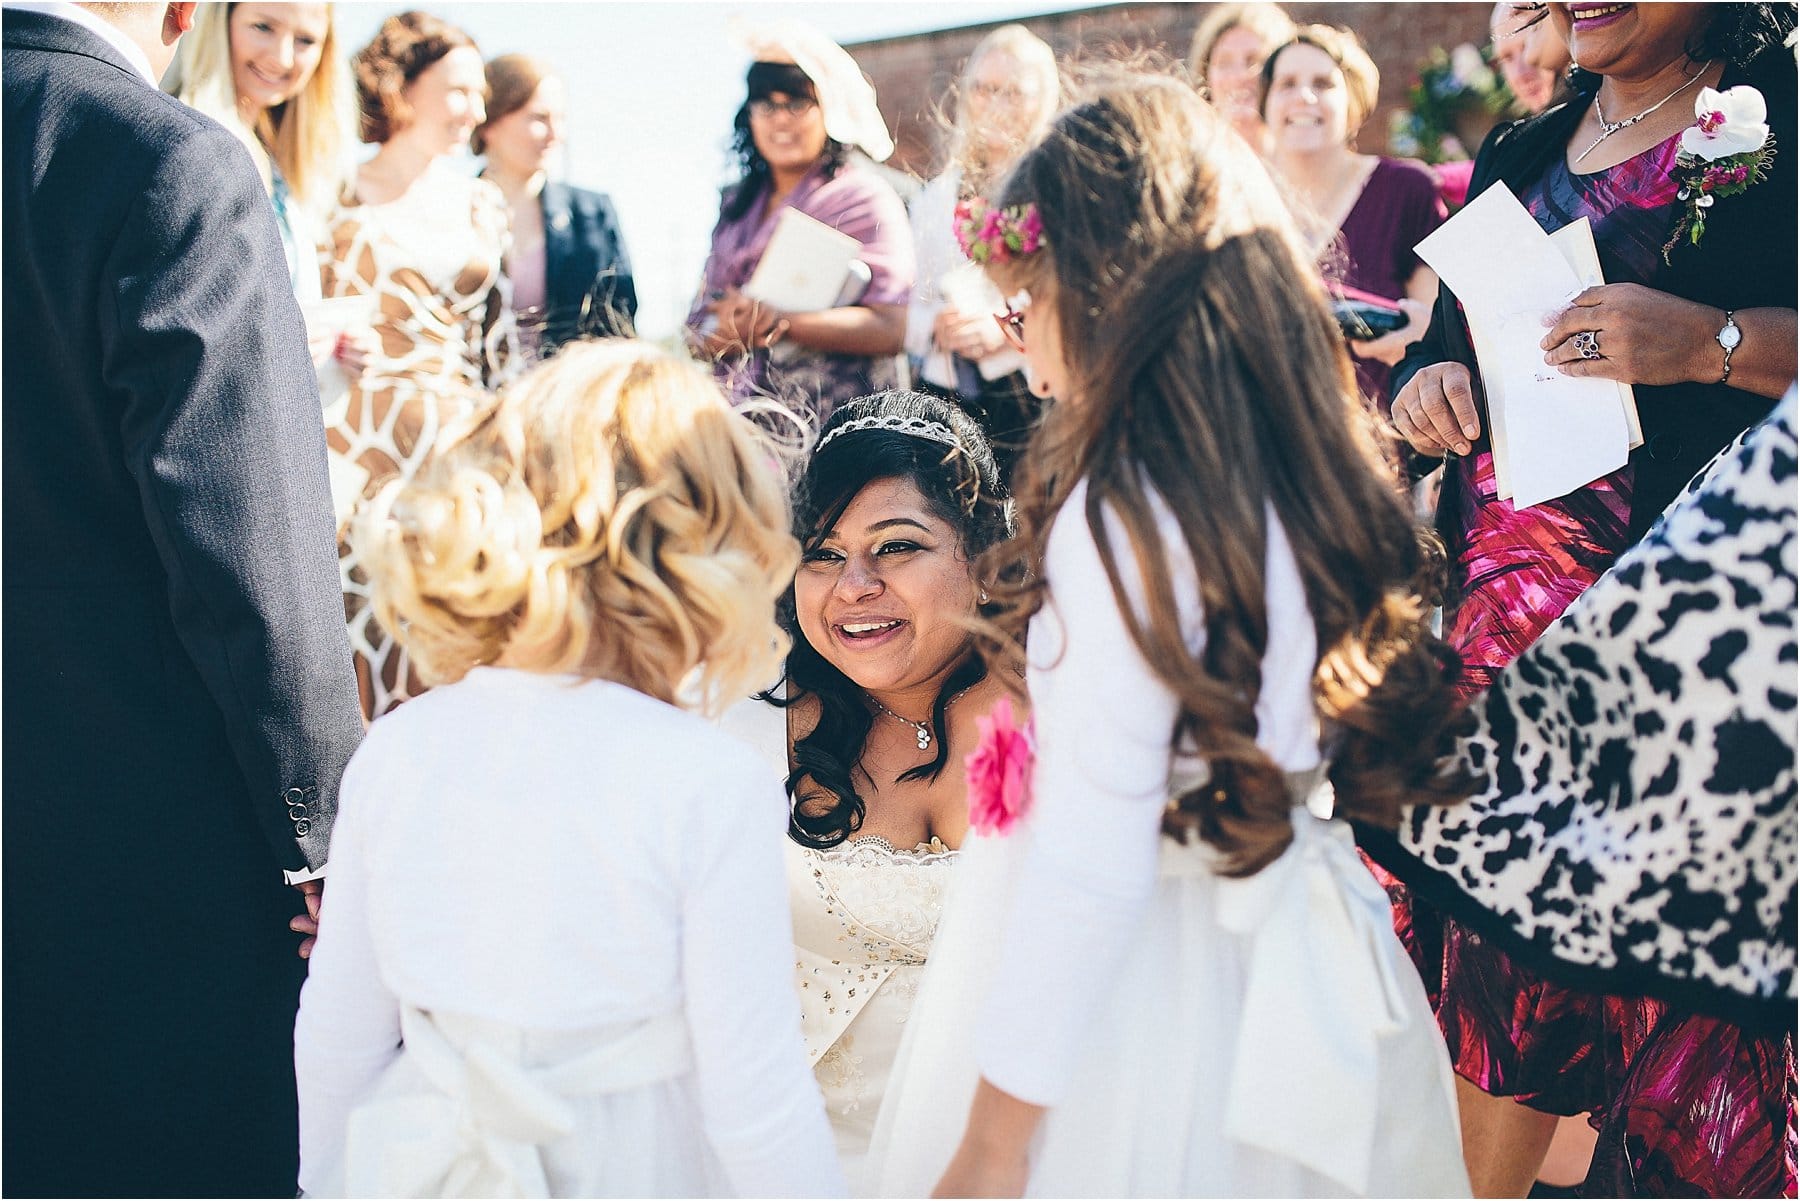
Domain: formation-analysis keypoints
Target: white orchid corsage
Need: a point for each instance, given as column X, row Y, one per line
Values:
column 1727, row 149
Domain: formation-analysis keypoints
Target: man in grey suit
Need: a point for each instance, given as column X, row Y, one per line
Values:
column 178, row 695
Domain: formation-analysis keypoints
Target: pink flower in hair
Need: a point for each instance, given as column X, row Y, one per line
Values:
column 1031, row 231
column 999, row 770
column 990, row 235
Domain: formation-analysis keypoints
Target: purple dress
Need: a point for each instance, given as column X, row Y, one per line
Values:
column 857, row 202
column 1373, row 252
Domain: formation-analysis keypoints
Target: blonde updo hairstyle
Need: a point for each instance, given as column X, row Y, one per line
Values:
column 607, row 515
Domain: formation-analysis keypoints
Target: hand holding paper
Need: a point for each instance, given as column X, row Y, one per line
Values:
column 1645, row 336
column 1551, row 433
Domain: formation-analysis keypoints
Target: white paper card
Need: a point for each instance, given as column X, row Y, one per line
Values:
column 1560, row 432
column 338, row 314
column 804, row 266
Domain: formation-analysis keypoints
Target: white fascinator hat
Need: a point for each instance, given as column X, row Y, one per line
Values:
column 845, row 95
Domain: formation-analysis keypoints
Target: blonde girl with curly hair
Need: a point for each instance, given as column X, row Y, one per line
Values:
column 556, row 959
column 1171, row 975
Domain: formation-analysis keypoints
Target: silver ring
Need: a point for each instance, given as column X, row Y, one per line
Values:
column 1587, row 344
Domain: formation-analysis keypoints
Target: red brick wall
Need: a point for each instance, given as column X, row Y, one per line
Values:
column 914, row 74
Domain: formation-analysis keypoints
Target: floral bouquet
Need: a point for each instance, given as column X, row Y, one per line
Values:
column 1726, row 150
column 1456, row 101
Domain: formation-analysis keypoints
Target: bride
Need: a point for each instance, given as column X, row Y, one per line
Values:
column 882, row 693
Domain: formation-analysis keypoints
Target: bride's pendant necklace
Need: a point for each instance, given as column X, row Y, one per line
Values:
column 1609, row 128
column 921, row 728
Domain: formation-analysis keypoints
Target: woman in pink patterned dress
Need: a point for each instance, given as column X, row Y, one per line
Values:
column 1682, row 1102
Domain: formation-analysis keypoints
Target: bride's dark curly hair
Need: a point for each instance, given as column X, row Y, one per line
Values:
column 1205, row 370
column 961, row 485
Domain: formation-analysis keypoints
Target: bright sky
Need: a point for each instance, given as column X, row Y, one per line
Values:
column 652, row 90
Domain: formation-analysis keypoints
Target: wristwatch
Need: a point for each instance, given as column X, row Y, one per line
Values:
column 1729, row 336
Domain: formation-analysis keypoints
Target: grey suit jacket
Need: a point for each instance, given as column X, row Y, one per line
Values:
column 176, row 669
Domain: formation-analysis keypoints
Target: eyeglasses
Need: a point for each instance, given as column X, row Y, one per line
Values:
column 1010, row 92
column 799, row 106
column 1012, row 321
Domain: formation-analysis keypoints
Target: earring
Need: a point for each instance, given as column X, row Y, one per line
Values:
column 984, row 596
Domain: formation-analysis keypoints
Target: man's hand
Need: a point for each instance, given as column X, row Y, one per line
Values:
column 308, row 922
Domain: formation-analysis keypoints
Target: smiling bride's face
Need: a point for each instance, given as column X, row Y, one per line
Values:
column 885, row 594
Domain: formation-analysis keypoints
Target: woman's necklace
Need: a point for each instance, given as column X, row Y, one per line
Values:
column 1609, row 128
column 921, row 728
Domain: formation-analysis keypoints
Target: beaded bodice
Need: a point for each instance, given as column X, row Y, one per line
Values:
column 881, row 905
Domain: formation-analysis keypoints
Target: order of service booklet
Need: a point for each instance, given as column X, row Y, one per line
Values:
column 805, row 265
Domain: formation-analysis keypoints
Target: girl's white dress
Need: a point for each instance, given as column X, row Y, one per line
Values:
column 1191, row 1034
column 555, row 959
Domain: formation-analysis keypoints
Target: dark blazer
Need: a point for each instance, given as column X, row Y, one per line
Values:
column 588, row 287
column 1746, row 260
column 178, row 695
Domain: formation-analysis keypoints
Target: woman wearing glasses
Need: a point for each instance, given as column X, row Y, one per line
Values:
column 808, row 111
column 1009, row 91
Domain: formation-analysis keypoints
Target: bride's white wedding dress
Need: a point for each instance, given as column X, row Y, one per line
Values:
column 864, row 918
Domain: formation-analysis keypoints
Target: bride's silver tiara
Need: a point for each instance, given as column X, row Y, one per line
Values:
column 917, row 427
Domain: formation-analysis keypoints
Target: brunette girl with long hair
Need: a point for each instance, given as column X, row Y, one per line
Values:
column 1228, row 657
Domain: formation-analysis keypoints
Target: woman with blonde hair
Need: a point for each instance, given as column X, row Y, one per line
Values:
column 1164, row 971
column 1230, row 45
column 557, row 959
column 274, row 76
column 1010, row 89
